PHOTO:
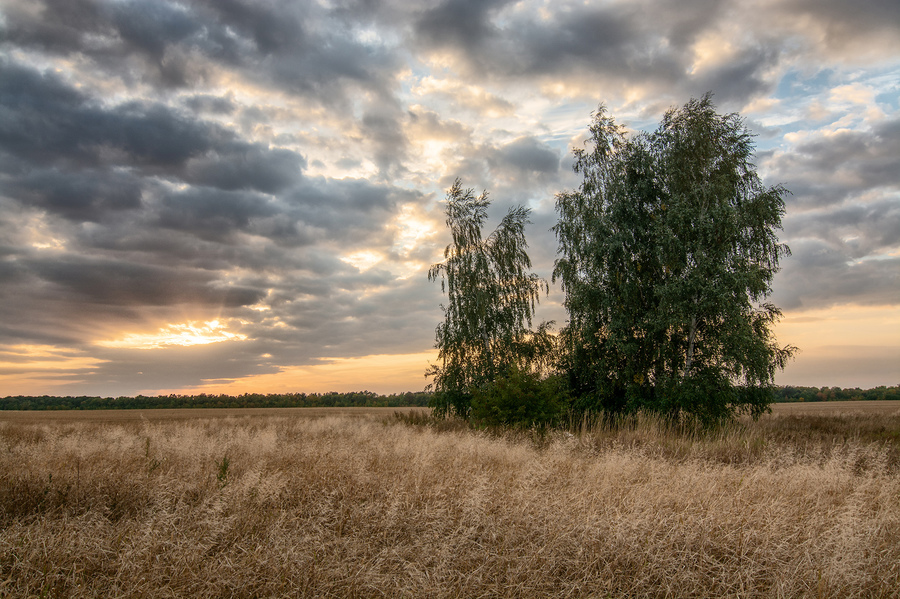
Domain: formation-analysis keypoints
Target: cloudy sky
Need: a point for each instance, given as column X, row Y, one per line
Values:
column 245, row 195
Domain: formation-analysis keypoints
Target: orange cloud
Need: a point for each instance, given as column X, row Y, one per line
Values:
column 38, row 369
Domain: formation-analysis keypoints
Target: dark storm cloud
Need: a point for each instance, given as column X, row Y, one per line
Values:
column 298, row 47
column 295, row 46
column 272, row 26
column 339, row 213
column 204, row 103
column 818, row 275
column 11, row 272
column 212, row 214
column 618, row 41
column 597, row 39
column 157, row 36
column 430, row 125
column 81, row 195
column 146, row 241
column 384, row 129
column 160, row 32
column 60, row 296
column 513, row 173
column 406, row 309
column 868, row 159
column 198, row 226
column 60, row 26
column 48, row 122
column 843, row 22
column 745, row 76
column 150, row 27
column 843, row 218
column 857, row 230
column 841, row 255
column 529, row 154
column 247, row 166
column 340, row 207
column 828, row 169
column 114, row 282
column 459, row 23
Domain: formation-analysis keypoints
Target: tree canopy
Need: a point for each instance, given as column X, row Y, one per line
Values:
column 491, row 295
column 667, row 252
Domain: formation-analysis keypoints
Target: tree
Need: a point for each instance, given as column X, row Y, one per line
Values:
column 667, row 254
column 491, row 297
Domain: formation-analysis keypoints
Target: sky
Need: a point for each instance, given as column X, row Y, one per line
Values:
column 229, row 196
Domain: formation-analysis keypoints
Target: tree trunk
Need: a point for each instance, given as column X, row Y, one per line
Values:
column 690, row 350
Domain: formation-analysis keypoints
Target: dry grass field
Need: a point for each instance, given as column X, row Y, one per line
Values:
column 281, row 503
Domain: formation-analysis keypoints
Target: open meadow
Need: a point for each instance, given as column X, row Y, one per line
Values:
column 366, row 503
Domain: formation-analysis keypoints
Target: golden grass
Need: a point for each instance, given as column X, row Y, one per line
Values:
column 365, row 505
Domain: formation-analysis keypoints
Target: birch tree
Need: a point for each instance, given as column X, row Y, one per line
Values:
column 667, row 251
column 491, row 296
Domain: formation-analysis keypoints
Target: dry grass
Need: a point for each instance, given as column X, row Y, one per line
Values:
column 367, row 506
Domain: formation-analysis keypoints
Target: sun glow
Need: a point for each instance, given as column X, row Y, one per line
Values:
column 412, row 229
column 712, row 50
column 34, row 369
column 42, row 235
column 847, row 346
column 377, row 373
column 26, row 358
column 186, row 334
column 363, row 260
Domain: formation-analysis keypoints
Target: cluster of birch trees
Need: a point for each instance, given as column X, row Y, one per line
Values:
column 667, row 251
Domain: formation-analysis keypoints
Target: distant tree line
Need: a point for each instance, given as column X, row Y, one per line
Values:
column 804, row 394
column 358, row 399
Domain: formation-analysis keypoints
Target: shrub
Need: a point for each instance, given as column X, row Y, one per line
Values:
column 518, row 399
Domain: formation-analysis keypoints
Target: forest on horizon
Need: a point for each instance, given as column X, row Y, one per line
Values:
column 361, row 399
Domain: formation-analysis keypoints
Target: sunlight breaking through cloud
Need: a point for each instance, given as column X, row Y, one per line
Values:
column 187, row 334
column 363, row 260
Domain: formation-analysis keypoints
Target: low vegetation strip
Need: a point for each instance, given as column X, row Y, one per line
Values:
column 365, row 506
column 358, row 399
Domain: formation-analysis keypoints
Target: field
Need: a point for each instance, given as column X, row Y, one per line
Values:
column 365, row 503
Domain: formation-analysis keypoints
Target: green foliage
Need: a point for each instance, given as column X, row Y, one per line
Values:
column 490, row 301
column 667, row 253
column 519, row 398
